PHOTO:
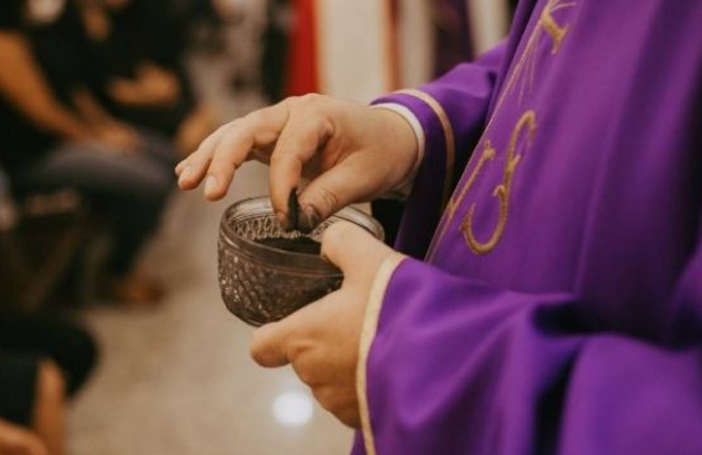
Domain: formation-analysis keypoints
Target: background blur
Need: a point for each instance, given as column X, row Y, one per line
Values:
column 98, row 100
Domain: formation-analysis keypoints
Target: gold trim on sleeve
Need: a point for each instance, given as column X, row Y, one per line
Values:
column 449, row 137
column 370, row 327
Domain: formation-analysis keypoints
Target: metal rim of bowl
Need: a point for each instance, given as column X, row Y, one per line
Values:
column 308, row 265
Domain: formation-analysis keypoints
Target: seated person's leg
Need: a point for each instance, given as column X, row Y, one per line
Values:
column 129, row 190
column 51, row 336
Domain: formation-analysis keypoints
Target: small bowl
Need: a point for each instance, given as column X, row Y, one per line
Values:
column 262, row 284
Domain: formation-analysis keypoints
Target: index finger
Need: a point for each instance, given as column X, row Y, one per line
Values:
column 226, row 149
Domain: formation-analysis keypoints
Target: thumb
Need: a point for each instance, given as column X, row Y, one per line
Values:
column 346, row 183
column 354, row 250
column 269, row 344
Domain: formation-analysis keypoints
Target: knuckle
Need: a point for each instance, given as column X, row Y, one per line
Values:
column 329, row 199
column 311, row 98
column 291, row 102
column 254, row 117
column 306, row 376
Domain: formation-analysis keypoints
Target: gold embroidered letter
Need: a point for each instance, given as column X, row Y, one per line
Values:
column 502, row 191
column 487, row 155
column 549, row 24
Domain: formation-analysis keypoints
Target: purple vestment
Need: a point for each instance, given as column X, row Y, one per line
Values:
column 558, row 307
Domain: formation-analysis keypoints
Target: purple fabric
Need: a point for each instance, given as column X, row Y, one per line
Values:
column 580, row 331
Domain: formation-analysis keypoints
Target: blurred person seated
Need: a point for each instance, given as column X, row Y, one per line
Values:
column 43, row 360
column 46, row 143
column 136, row 53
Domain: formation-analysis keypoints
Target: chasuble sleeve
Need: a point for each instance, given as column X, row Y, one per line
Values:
column 454, row 366
column 452, row 112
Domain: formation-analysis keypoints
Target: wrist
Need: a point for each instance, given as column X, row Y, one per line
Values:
column 407, row 140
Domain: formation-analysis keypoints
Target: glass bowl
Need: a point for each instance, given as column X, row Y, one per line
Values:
column 261, row 283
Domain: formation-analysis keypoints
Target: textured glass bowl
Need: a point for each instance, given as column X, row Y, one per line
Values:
column 262, row 284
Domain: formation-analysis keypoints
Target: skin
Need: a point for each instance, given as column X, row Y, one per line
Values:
column 48, row 418
column 15, row 440
column 23, row 84
column 348, row 153
column 321, row 340
column 46, row 436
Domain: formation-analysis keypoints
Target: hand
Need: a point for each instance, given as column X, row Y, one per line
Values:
column 118, row 137
column 161, row 86
column 15, row 440
column 350, row 152
column 321, row 340
column 152, row 87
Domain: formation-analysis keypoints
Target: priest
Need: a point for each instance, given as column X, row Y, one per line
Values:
column 546, row 291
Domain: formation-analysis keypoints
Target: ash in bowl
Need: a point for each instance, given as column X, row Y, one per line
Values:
column 303, row 245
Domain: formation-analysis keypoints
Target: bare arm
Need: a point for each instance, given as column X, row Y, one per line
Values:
column 89, row 108
column 22, row 84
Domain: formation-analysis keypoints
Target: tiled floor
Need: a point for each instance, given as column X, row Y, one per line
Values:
column 179, row 380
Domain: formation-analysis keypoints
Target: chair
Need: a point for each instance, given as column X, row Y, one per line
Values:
column 41, row 237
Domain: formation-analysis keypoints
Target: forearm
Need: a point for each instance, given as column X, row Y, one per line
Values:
column 23, row 85
column 89, row 108
column 63, row 123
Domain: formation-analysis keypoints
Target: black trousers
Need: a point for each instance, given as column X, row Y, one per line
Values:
column 129, row 190
column 26, row 340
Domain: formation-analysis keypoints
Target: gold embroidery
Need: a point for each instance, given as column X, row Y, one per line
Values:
column 448, row 137
column 522, row 75
column 556, row 32
column 525, row 68
column 503, row 190
column 488, row 154
column 370, row 327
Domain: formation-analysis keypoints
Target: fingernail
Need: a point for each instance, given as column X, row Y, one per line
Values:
column 185, row 174
column 210, row 184
column 308, row 219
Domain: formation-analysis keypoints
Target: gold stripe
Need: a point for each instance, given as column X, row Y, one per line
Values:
column 448, row 136
column 370, row 327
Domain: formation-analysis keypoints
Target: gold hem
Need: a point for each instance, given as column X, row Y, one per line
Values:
column 370, row 327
